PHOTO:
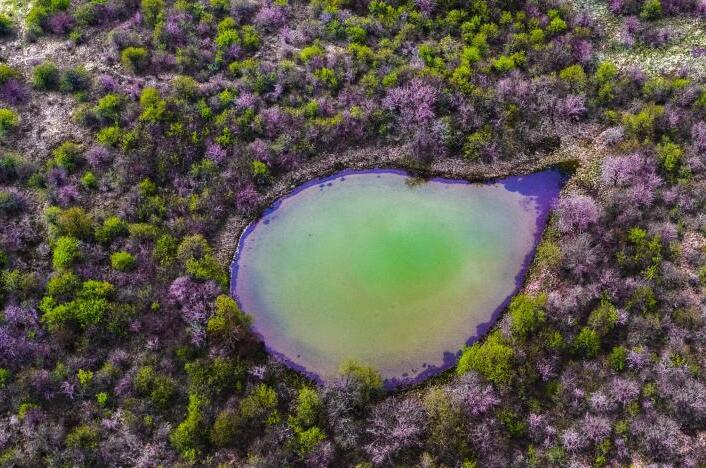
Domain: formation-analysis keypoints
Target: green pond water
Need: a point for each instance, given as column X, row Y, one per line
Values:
column 399, row 275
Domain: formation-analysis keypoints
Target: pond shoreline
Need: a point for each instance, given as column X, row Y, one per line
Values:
column 573, row 153
column 478, row 330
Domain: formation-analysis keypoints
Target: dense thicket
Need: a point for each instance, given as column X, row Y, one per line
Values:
column 118, row 343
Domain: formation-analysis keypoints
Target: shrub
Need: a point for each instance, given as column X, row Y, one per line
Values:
column 122, row 261
column 36, row 19
column 670, row 156
column 587, row 343
column 109, row 136
column 153, row 106
column 187, row 438
column 492, row 358
column 10, row 202
column 134, row 59
column 604, row 317
column 88, row 180
column 109, row 107
column 112, row 228
column 651, row 10
column 225, row 429
column 151, row 10
column 307, row 410
column 617, row 358
column 227, row 320
column 8, row 168
column 75, row 222
column 66, row 252
column 83, row 437
column 45, row 76
column 574, row 76
column 9, row 121
column 6, row 25
column 260, row 405
column 526, row 314
column 367, row 379
column 63, row 285
column 67, row 155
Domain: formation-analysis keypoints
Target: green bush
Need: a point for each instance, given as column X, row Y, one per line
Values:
column 134, row 59
column 153, row 106
column 226, row 429
column 67, row 155
column 88, row 180
column 670, row 156
column 112, row 228
column 46, row 76
column 75, row 222
column 307, row 440
column 109, row 136
column 651, row 10
column 87, row 308
column 604, row 317
column 367, row 379
column 188, row 437
column 307, row 410
column 227, row 320
column 6, row 25
column 66, row 252
column 109, row 107
column 526, row 314
column 8, row 73
column 587, row 343
column 63, row 285
column 123, row 261
column 574, row 76
column 492, row 358
column 75, row 79
column 83, row 437
column 9, row 121
column 260, row 405
column 617, row 358
column 36, row 19
column 151, row 10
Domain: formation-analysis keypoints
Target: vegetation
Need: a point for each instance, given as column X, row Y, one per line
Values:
column 119, row 345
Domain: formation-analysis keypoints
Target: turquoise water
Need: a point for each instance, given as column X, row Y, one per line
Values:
column 370, row 266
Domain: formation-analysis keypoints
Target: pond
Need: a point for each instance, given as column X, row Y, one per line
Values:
column 379, row 267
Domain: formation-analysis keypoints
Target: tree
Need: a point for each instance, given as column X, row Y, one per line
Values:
column 66, row 252
column 587, row 343
column 9, row 121
column 604, row 317
column 527, row 314
column 122, row 261
column 45, row 76
column 492, row 359
column 134, row 59
column 188, row 437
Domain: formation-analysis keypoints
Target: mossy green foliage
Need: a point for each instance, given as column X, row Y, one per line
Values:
column 123, row 261
column 46, row 76
column 526, row 314
column 587, row 344
column 67, row 155
column 9, row 121
column 188, row 437
column 91, row 303
column 367, row 379
column 227, row 321
column 492, row 358
column 135, row 59
column 604, row 317
column 66, row 252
